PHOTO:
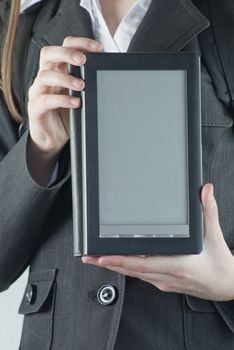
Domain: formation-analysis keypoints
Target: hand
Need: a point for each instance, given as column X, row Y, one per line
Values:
column 49, row 101
column 209, row 275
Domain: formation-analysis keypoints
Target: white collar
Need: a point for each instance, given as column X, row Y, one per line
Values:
column 126, row 29
column 24, row 4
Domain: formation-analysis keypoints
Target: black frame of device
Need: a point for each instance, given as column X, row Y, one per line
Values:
column 93, row 244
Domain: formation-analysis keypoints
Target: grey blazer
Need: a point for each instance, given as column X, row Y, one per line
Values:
column 64, row 302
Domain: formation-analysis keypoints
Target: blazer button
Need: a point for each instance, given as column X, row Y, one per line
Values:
column 106, row 295
column 30, row 294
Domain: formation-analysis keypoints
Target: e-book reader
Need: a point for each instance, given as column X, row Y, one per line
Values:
column 136, row 155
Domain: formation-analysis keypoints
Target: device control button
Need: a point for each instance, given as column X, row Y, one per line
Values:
column 106, row 295
column 30, row 294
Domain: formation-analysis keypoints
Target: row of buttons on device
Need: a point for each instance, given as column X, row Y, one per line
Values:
column 106, row 295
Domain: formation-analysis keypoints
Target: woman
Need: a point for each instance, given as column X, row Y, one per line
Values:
column 163, row 302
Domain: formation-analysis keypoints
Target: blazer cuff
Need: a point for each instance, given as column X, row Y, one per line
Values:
column 23, row 211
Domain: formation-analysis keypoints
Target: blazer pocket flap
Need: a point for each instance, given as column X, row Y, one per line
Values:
column 37, row 292
column 200, row 305
column 214, row 111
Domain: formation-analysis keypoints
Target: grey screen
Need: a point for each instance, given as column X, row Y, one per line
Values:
column 142, row 152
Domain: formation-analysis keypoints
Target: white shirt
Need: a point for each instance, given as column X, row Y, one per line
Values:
column 118, row 43
column 126, row 29
column 24, row 4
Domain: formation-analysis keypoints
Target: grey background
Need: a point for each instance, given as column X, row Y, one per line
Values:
column 142, row 147
column 10, row 321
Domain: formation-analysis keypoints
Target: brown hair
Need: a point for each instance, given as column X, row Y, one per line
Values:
column 6, row 59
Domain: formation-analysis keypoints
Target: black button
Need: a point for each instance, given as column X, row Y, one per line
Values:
column 30, row 294
column 106, row 294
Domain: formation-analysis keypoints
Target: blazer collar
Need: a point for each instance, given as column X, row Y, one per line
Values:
column 167, row 26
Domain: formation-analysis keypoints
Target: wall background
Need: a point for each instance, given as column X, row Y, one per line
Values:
column 10, row 321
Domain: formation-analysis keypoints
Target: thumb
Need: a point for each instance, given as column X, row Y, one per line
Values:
column 210, row 210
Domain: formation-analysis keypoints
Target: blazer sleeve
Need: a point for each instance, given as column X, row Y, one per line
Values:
column 24, row 204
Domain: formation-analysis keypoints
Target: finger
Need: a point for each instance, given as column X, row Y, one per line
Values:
column 90, row 259
column 153, row 277
column 210, row 209
column 163, row 264
column 168, row 269
column 52, row 55
column 83, row 44
column 47, row 79
column 69, row 52
column 44, row 103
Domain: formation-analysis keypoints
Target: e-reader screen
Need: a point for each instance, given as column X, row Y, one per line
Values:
column 143, row 153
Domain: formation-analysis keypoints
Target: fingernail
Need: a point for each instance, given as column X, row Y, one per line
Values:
column 78, row 84
column 77, row 58
column 211, row 192
column 75, row 102
column 95, row 45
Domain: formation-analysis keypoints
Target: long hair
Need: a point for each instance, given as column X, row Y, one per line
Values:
column 6, row 59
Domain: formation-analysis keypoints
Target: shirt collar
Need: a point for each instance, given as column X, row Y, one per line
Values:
column 126, row 29
column 25, row 4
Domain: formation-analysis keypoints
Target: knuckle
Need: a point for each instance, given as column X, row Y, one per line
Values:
column 44, row 51
column 45, row 100
column 178, row 272
column 50, row 144
column 142, row 268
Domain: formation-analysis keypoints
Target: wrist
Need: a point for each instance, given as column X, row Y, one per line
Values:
column 40, row 163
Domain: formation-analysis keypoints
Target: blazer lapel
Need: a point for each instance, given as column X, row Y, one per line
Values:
column 168, row 26
column 38, row 27
column 70, row 20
